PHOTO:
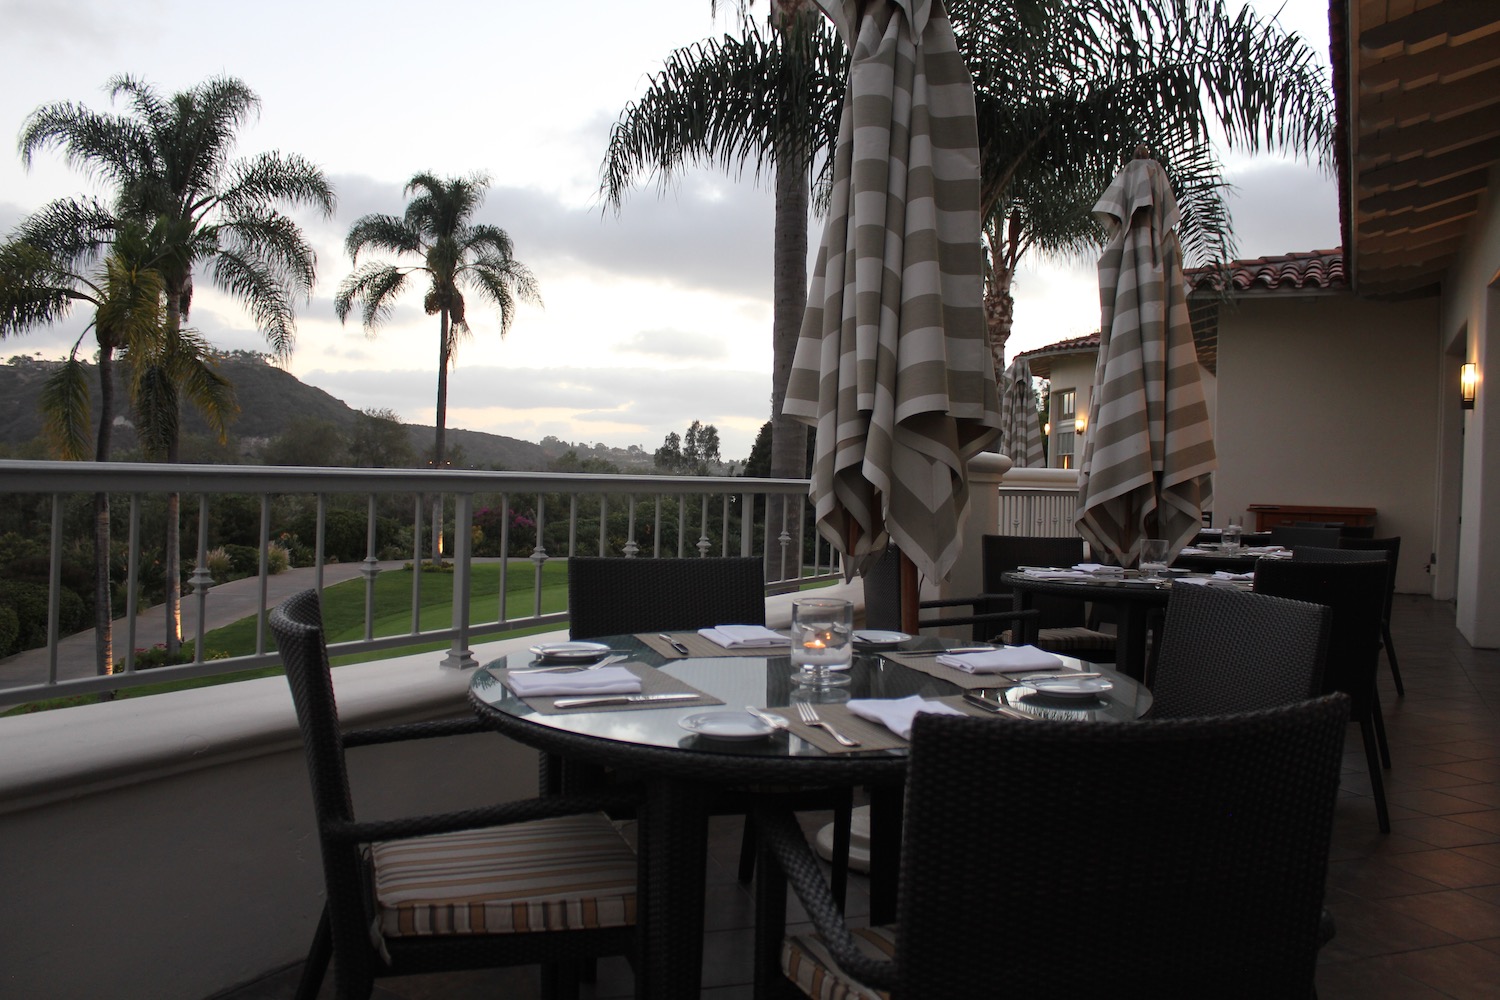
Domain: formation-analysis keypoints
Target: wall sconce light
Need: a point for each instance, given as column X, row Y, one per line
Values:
column 1468, row 384
column 1080, row 423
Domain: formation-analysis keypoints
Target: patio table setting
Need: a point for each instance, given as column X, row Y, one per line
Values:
column 691, row 726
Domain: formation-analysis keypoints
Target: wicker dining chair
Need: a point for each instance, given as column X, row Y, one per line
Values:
column 1392, row 548
column 1355, row 593
column 990, row 618
column 545, row 881
column 1290, row 536
column 1204, row 875
column 1224, row 651
column 622, row 596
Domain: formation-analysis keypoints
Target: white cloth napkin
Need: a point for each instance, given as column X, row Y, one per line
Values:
column 1099, row 569
column 1004, row 660
column 605, row 680
column 1226, row 575
column 743, row 636
column 897, row 714
column 1041, row 573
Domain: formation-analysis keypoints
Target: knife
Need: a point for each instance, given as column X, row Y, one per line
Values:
column 991, row 706
column 622, row 699
column 673, row 643
column 944, row 652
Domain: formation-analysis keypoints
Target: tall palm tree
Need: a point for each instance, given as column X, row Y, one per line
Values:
column 50, row 265
column 709, row 105
column 169, row 162
column 453, row 253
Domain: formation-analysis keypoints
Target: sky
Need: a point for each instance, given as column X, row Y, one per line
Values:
column 651, row 318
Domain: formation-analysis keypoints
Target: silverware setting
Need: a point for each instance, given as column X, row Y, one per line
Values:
column 941, row 652
column 996, row 707
column 673, row 643
column 622, row 699
column 1055, row 675
column 774, row 721
column 810, row 717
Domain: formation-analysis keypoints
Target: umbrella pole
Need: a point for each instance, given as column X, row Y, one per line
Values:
column 910, row 583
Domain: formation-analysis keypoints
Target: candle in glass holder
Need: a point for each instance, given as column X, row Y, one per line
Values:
column 822, row 632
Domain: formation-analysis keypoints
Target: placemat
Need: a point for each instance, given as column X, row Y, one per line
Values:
column 871, row 735
column 653, row 681
column 930, row 666
column 699, row 646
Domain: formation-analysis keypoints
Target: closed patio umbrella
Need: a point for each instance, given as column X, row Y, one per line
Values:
column 892, row 366
column 1149, row 447
column 1020, row 426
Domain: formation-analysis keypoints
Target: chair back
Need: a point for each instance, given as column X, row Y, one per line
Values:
column 1392, row 549
column 1355, row 593
column 297, row 625
column 1196, row 848
column 1291, row 536
column 883, row 592
column 618, row 596
column 1225, row 651
column 1007, row 553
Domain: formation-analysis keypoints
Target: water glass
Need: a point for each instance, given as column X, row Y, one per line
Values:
column 822, row 640
column 1234, row 533
column 1153, row 558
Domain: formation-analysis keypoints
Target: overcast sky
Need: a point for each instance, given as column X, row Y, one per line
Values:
column 651, row 319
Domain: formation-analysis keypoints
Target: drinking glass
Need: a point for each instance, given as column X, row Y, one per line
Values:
column 822, row 640
column 1234, row 533
column 1153, row 559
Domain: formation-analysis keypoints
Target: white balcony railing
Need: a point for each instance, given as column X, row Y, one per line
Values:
column 636, row 516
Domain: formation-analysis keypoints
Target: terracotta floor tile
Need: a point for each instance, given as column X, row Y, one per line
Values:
column 1447, row 868
column 1461, row 971
column 1453, row 911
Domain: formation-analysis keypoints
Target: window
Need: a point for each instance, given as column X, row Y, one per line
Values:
column 1064, row 412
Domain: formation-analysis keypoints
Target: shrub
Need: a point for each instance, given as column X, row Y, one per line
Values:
column 220, row 565
column 29, row 603
column 243, row 559
column 278, row 560
column 10, row 631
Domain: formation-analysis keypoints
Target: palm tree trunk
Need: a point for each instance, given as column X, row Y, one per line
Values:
column 104, row 654
column 171, row 556
column 789, row 302
column 999, row 314
column 439, row 442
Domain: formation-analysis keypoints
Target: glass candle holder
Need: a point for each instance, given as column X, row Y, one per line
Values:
column 822, row 640
column 1153, row 563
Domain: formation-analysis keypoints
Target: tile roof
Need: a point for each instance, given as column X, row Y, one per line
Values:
column 1318, row 269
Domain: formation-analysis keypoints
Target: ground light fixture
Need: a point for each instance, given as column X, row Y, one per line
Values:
column 1468, row 384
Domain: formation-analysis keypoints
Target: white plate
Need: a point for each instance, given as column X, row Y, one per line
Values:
column 1064, row 687
column 874, row 638
column 726, row 725
column 570, row 652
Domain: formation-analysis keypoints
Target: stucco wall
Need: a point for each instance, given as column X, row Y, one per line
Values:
column 1327, row 399
column 1471, row 312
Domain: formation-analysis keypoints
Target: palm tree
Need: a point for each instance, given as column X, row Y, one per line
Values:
column 41, row 279
column 453, row 253
column 1065, row 91
column 708, row 105
column 169, row 163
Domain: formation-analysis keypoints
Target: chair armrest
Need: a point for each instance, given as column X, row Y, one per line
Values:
column 415, row 731
column 364, row 831
column 783, row 837
column 955, row 602
column 1011, row 619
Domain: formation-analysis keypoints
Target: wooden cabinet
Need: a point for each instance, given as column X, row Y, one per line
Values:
column 1275, row 515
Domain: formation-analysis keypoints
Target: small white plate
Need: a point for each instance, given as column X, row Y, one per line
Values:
column 570, row 652
column 1064, row 687
column 726, row 726
column 874, row 638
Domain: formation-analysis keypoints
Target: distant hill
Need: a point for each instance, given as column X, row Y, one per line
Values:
column 272, row 400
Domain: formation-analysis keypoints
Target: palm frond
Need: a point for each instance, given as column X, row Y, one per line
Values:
column 66, row 410
column 386, row 233
column 275, row 178
column 376, row 285
column 261, row 289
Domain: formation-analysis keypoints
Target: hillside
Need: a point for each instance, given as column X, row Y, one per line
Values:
column 271, row 402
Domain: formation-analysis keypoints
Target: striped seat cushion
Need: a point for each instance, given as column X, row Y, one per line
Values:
column 1061, row 640
column 806, row 962
column 568, row 873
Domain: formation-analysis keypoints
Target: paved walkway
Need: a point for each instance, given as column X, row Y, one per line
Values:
column 227, row 603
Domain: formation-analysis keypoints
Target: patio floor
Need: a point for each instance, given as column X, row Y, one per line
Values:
column 1418, row 911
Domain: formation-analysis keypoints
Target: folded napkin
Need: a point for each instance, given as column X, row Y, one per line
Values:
column 1040, row 573
column 897, row 714
column 1004, row 660
column 741, row 636
column 1224, row 574
column 605, row 680
column 1099, row 569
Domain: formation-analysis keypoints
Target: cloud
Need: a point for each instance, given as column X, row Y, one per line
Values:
column 675, row 345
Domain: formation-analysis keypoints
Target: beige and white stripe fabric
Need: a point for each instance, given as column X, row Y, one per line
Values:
column 1020, row 426
column 1149, row 449
column 892, row 366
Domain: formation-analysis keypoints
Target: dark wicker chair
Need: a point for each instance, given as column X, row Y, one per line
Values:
column 1392, row 549
column 1290, row 536
column 1225, row 651
column 1062, row 624
column 1355, row 592
column 619, row 596
column 517, row 904
column 1206, row 877
column 990, row 618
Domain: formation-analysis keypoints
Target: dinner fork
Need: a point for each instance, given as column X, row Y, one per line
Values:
column 810, row 717
column 570, row 669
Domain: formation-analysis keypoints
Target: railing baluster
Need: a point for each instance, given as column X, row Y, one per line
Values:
column 459, row 655
column 54, row 587
column 320, row 536
column 502, row 609
column 416, row 568
column 132, row 580
column 369, row 568
column 264, row 579
column 538, row 555
column 201, row 581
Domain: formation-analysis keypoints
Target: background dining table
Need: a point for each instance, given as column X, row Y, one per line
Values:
column 684, row 770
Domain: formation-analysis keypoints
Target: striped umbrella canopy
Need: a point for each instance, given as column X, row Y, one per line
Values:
column 1149, row 449
column 892, row 367
column 1020, row 425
